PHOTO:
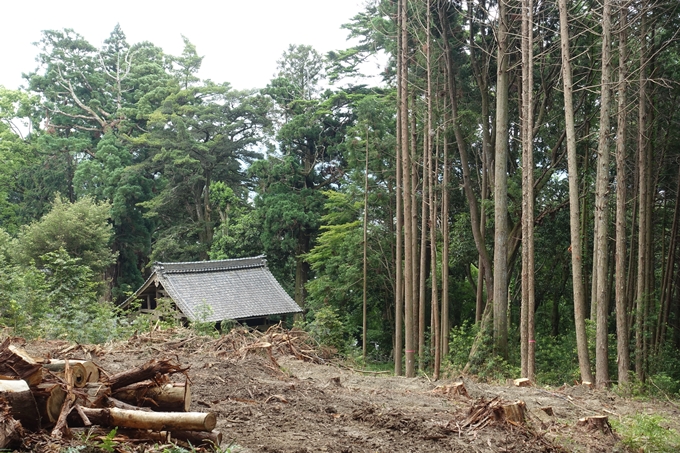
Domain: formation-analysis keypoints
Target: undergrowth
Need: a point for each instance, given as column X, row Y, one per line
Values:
column 648, row 433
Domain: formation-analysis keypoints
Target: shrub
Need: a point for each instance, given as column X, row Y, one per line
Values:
column 327, row 328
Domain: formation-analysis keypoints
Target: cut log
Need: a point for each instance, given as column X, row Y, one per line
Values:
column 514, row 412
column 76, row 370
column 49, row 397
column 522, row 382
column 166, row 397
column 60, row 427
column 87, row 371
column 147, row 371
column 596, row 423
column 157, row 421
column 94, row 394
column 113, row 402
column 15, row 362
column 21, row 402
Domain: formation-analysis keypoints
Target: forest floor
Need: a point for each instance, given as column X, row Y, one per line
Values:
column 272, row 393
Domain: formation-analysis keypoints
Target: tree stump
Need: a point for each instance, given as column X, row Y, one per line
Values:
column 457, row 388
column 514, row 412
column 522, row 382
column 596, row 423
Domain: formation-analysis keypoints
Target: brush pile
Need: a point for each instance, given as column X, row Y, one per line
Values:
column 64, row 397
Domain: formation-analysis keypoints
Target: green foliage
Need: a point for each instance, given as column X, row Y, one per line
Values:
column 114, row 176
column 484, row 364
column 647, row 433
column 201, row 325
column 328, row 329
column 81, row 229
column 107, row 443
column 75, row 312
column 199, row 136
column 557, row 360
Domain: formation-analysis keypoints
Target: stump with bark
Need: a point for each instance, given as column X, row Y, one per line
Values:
column 596, row 423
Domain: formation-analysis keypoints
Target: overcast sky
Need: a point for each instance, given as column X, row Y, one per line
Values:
column 240, row 39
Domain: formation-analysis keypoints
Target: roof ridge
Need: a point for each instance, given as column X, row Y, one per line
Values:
column 210, row 265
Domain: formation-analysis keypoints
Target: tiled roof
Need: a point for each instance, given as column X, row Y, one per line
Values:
column 223, row 289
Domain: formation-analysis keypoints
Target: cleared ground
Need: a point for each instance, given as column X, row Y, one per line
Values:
column 275, row 393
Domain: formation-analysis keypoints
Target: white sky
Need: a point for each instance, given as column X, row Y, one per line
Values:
column 240, row 39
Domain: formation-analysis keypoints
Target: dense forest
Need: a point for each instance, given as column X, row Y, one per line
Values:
column 505, row 202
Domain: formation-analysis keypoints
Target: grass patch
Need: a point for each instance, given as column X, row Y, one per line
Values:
column 647, row 433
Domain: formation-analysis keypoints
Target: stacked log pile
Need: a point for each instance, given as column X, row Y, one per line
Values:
column 65, row 396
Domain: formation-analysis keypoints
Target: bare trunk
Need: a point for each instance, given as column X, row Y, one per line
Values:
column 621, row 181
column 406, row 193
column 423, row 253
column 365, row 258
column 574, row 216
column 431, row 176
column 398, row 264
column 500, row 268
column 601, row 245
column 528, row 342
column 643, row 207
column 445, row 251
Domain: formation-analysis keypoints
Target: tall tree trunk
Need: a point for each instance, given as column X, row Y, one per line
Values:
column 500, row 268
column 622, row 345
column 601, row 243
column 407, row 200
column 528, row 342
column 643, row 208
column 445, row 250
column 414, row 220
column 399, row 274
column 574, row 215
column 365, row 259
column 431, row 177
column 423, row 253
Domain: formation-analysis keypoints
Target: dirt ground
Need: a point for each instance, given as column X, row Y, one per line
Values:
column 276, row 394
